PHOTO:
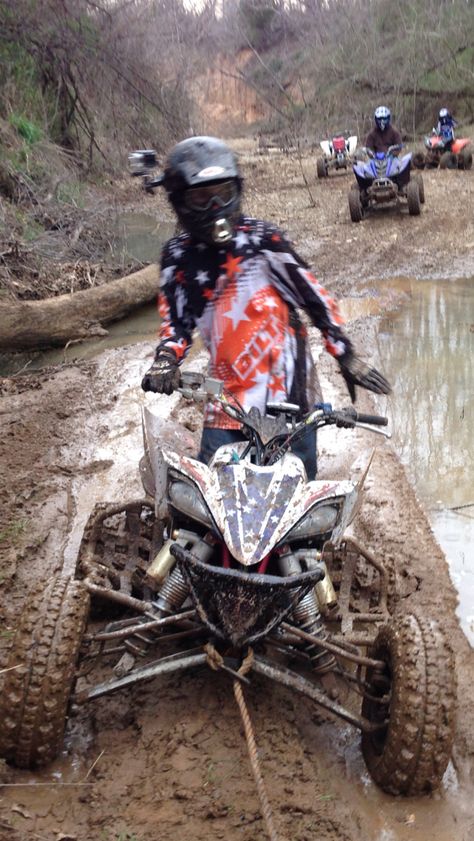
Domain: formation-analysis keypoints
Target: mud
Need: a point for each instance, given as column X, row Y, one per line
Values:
column 168, row 758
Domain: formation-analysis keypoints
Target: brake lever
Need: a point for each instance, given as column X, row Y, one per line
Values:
column 198, row 387
column 371, row 428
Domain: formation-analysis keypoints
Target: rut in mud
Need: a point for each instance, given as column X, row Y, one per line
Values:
column 168, row 758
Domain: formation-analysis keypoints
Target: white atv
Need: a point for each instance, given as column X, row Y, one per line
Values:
column 339, row 153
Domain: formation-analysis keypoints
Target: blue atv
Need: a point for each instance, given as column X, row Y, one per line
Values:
column 383, row 179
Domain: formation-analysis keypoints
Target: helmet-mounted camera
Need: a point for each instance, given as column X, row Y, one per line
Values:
column 141, row 163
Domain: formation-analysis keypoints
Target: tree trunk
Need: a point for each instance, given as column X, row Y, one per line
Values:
column 33, row 325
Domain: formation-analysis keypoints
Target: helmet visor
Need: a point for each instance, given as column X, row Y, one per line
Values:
column 205, row 196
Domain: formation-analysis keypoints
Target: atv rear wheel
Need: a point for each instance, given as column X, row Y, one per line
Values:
column 34, row 701
column 413, row 198
column 465, row 159
column 421, row 187
column 322, row 168
column 448, row 160
column 415, row 696
column 355, row 205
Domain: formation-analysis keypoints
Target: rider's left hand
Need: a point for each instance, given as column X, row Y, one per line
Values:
column 356, row 372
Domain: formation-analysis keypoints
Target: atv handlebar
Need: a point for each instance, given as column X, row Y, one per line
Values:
column 392, row 150
column 347, row 418
column 197, row 387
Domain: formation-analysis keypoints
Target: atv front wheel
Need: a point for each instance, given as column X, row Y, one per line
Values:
column 413, row 698
column 448, row 160
column 322, row 168
column 34, row 701
column 465, row 159
column 421, row 187
column 355, row 205
column 413, row 198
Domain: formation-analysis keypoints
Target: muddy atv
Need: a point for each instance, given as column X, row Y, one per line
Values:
column 385, row 179
column 194, row 574
column 445, row 155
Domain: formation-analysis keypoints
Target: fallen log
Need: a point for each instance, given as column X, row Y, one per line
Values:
column 53, row 322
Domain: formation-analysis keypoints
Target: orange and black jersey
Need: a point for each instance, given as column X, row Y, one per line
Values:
column 243, row 299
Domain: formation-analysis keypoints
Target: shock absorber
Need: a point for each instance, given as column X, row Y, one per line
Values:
column 307, row 615
column 174, row 591
column 171, row 596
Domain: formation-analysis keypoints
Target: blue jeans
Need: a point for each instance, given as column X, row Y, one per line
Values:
column 304, row 448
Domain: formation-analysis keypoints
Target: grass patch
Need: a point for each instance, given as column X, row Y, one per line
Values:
column 13, row 532
column 28, row 130
column 71, row 192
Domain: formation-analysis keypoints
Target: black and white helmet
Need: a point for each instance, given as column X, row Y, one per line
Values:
column 382, row 117
column 203, row 183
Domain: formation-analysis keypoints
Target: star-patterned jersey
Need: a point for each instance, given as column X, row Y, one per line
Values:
column 243, row 299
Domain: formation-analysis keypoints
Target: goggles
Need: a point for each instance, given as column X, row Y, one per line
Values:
column 207, row 195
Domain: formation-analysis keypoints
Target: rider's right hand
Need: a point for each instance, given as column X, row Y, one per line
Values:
column 163, row 376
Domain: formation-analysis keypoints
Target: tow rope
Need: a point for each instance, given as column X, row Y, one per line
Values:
column 216, row 662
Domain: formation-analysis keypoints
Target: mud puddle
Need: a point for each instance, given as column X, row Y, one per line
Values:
column 427, row 351
column 385, row 818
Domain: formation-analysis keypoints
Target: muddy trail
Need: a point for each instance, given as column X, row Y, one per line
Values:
column 168, row 758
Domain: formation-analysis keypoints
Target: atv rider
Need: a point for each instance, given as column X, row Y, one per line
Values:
column 239, row 281
column 445, row 127
column 383, row 135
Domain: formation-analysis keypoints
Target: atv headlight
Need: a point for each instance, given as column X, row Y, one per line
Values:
column 187, row 499
column 320, row 520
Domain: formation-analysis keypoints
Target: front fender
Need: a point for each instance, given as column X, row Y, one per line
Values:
column 360, row 169
column 353, row 500
column 351, row 144
column 159, row 435
column 405, row 161
column 460, row 144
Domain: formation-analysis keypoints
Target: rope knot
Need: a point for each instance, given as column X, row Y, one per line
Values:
column 214, row 659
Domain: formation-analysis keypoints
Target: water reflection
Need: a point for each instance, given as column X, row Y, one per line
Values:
column 140, row 236
column 140, row 326
column 427, row 352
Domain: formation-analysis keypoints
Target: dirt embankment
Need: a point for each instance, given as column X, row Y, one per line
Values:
column 168, row 759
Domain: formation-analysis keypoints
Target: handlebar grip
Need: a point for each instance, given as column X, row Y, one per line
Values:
column 375, row 420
